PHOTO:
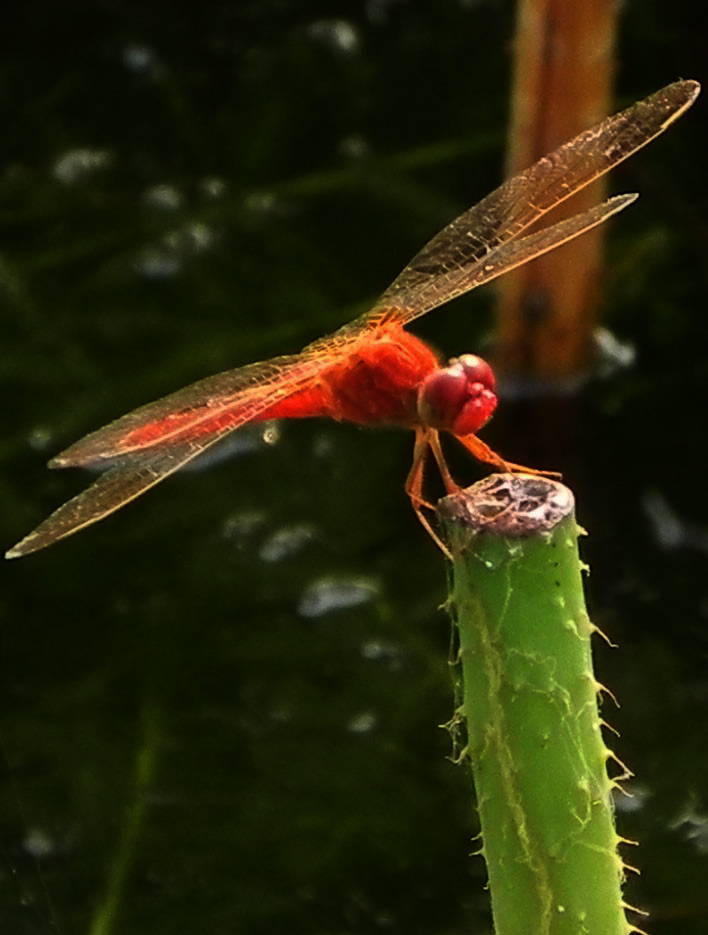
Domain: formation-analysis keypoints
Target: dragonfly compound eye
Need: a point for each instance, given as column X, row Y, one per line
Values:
column 459, row 398
column 476, row 370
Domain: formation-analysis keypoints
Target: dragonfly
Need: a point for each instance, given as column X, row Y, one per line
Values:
column 372, row 371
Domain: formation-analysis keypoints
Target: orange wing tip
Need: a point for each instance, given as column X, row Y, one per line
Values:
column 22, row 548
column 38, row 539
column 68, row 459
column 30, row 543
column 693, row 87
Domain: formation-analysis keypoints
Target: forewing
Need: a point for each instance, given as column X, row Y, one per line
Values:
column 517, row 252
column 444, row 268
column 202, row 412
column 112, row 490
column 207, row 412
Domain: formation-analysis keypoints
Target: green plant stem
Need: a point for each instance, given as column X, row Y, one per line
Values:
column 105, row 917
column 529, row 706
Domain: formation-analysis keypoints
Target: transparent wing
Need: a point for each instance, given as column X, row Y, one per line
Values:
column 453, row 261
column 517, row 252
column 200, row 413
column 112, row 490
column 147, row 445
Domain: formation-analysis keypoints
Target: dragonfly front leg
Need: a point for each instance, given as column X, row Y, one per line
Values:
column 425, row 439
column 484, row 453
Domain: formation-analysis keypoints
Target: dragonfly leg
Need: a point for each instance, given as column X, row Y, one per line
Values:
column 484, row 453
column 426, row 439
column 434, row 442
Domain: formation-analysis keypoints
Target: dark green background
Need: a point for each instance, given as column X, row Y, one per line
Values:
column 261, row 170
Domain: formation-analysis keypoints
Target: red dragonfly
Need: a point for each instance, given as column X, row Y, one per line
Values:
column 372, row 371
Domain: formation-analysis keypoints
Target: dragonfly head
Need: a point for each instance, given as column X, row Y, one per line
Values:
column 459, row 398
